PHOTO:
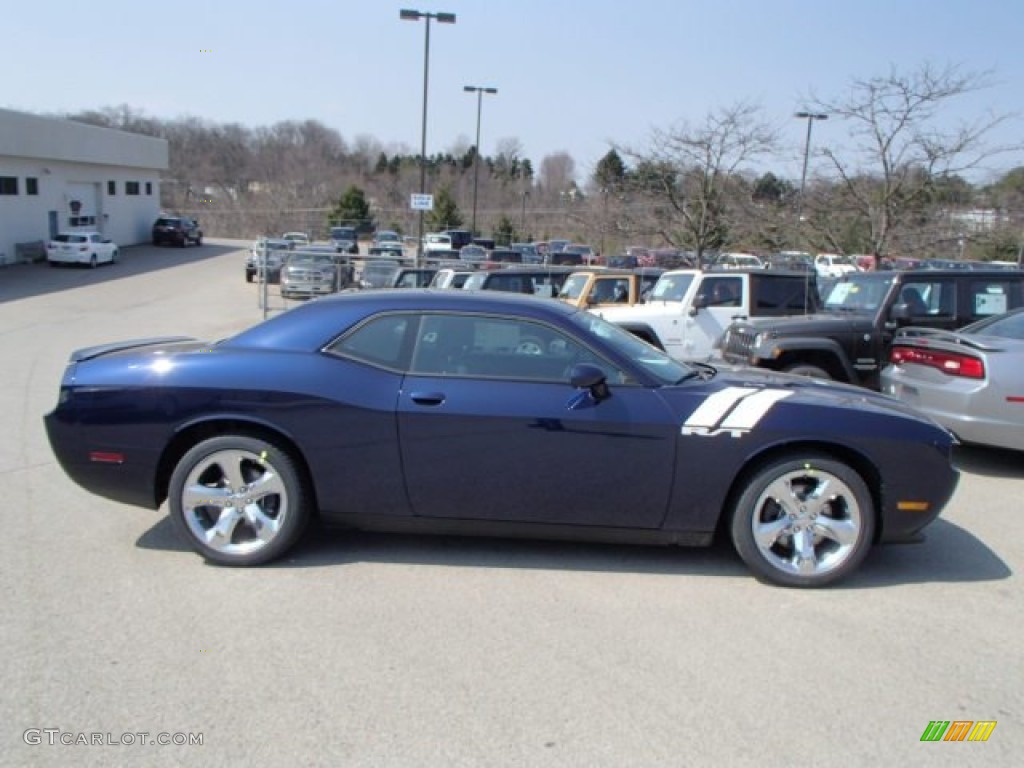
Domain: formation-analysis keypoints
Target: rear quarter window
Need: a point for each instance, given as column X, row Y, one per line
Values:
column 993, row 297
column 783, row 297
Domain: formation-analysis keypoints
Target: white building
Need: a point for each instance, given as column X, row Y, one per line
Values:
column 57, row 175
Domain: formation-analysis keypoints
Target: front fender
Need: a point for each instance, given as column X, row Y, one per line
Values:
column 775, row 349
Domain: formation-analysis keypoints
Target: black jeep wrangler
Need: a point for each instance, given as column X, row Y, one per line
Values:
column 849, row 339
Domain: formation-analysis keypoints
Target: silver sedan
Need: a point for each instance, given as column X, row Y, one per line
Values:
column 970, row 381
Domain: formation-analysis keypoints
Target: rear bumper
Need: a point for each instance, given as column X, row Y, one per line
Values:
column 76, row 257
column 89, row 464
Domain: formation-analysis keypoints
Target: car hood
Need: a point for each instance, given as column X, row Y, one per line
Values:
column 650, row 309
column 820, row 323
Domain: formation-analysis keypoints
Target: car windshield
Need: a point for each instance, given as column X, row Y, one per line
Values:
column 340, row 233
column 70, row 238
column 573, row 287
column 857, row 295
column 387, row 237
column 671, row 287
column 659, row 365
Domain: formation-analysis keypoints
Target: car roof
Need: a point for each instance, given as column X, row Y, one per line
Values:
column 311, row 326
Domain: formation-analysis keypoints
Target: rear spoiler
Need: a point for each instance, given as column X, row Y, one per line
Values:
column 87, row 353
column 924, row 335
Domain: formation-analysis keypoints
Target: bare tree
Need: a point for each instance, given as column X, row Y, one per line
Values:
column 557, row 172
column 691, row 174
column 901, row 147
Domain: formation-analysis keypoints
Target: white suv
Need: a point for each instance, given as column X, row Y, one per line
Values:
column 834, row 265
column 437, row 241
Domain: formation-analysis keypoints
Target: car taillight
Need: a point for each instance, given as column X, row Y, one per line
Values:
column 952, row 363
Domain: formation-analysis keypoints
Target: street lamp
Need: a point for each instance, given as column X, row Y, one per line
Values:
column 479, row 91
column 442, row 18
column 522, row 225
column 810, row 117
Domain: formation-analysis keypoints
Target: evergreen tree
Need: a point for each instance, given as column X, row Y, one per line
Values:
column 351, row 210
column 445, row 214
column 505, row 232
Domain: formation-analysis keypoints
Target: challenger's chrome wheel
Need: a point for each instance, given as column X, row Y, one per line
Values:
column 804, row 521
column 238, row 500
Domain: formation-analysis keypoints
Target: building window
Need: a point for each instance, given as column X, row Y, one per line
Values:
column 111, row 187
column 8, row 185
column 131, row 187
column 149, row 187
column 31, row 186
column 81, row 221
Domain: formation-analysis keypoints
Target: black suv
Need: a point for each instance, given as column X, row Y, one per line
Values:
column 345, row 239
column 177, row 230
column 849, row 339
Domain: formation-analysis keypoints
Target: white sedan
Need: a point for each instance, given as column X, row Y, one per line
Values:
column 90, row 248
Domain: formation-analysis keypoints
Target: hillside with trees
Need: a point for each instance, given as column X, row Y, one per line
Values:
column 894, row 182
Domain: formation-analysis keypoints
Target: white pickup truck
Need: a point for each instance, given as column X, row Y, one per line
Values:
column 688, row 310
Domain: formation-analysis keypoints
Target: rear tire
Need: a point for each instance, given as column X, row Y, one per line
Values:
column 93, row 262
column 238, row 500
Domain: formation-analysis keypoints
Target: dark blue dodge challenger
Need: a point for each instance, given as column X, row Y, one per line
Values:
column 496, row 415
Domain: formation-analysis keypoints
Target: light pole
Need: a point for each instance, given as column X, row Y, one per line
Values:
column 442, row 18
column 810, row 117
column 522, row 225
column 479, row 91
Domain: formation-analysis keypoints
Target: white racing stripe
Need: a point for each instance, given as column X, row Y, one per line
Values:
column 734, row 408
column 752, row 409
column 716, row 406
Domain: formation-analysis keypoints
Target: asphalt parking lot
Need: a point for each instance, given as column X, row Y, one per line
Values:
column 376, row 650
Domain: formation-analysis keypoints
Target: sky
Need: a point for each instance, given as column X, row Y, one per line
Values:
column 576, row 76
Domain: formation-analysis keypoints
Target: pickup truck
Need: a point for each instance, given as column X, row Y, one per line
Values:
column 851, row 338
column 688, row 310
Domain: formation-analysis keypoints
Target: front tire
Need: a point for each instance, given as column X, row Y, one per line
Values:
column 238, row 500
column 804, row 521
column 805, row 369
column 93, row 262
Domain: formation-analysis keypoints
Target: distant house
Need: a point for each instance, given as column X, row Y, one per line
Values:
column 57, row 175
column 977, row 220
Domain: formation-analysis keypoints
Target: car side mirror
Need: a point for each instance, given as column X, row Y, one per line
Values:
column 699, row 302
column 592, row 378
column 900, row 313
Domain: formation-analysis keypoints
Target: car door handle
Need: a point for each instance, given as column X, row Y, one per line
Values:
column 427, row 398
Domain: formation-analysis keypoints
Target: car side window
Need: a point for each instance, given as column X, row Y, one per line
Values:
column 993, row 297
column 498, row 347
column 380, row 341
column 722, row 291
column 931, row 298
